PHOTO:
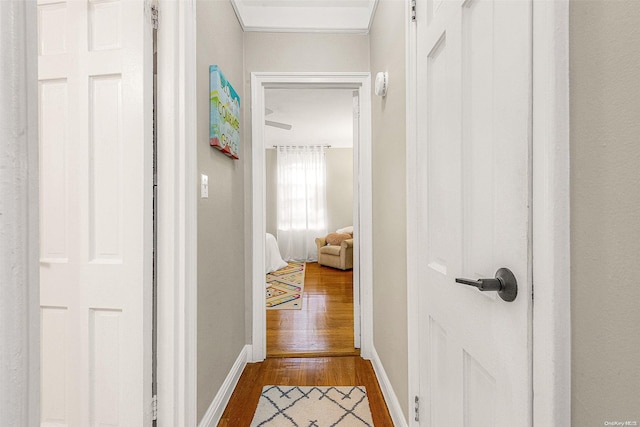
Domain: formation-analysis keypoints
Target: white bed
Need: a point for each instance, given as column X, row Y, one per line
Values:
column 273, row 259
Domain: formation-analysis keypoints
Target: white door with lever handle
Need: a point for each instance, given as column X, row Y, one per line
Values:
column 473, row 180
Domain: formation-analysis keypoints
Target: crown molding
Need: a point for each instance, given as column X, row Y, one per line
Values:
column 305, row 17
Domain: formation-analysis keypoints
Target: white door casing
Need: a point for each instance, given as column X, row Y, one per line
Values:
column 95, row 97
column 473, row 209
column 363, row 256
column 177, row 215
column 356, row 220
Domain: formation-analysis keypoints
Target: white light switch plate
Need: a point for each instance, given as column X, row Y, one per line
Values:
column 204, row 186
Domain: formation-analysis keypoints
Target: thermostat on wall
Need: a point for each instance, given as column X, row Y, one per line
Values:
column 381, row 84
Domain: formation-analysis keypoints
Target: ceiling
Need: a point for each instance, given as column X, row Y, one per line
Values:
column 317, row 117
column 326, row 16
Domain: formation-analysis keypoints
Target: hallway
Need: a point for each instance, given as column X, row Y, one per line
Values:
column 90, row 338
column 336, row 371
column 228, row 335
column 310, row 346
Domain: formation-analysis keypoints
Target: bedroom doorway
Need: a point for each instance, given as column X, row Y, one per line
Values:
column 311, row 134
column 310, row 205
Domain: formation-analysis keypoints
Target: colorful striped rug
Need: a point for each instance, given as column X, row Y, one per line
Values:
column 285, row 287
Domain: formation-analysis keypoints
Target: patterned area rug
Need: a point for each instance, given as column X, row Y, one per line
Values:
column 313, row 407
column 285, row 287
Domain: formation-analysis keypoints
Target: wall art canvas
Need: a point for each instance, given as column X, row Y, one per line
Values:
column 224, row 131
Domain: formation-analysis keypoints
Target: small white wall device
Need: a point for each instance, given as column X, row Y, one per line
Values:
column 204, row 186
column 381, row 83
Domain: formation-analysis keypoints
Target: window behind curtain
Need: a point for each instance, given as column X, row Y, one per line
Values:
column 302, row 211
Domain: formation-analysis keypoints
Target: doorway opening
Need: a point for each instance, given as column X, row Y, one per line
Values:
column 310, row 205
column 264, row 87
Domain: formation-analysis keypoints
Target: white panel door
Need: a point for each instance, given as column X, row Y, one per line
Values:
column 95, row 101
column 474, row 135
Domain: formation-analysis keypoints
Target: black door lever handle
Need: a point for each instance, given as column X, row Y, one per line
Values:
column 483, row 284
column 504, row 283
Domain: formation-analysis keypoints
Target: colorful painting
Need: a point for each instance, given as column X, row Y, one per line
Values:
column 224, row 131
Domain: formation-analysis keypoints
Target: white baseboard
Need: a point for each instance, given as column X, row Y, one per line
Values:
column 397, row 416
column 214, row 413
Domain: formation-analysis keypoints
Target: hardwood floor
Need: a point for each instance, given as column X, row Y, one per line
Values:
column 324, row 324
column 338, row 371
column 298, row 343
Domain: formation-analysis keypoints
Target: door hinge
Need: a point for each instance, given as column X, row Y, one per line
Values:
column 154, row 407
column 417, row 409
column 154, row 15
column 412, row 3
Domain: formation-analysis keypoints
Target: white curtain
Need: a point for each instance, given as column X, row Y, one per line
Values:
column 302, row 201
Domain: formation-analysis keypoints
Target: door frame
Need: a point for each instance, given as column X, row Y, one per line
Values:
column 551, row 334
column 177, row 215
column 362, row 223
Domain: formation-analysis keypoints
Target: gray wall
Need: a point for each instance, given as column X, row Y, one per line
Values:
column 389, row 197
column 605, row 211
column 291, row 52
column 339, row 188
column 221, row 267
column 305, row 52
column 339, row 162
column 271, row 190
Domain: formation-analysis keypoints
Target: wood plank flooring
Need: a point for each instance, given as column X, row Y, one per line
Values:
column 298, row 343
column 338, row 371
column 324, row 324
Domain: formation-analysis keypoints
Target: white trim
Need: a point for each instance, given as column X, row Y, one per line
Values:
column 374, row 8
column 551, row 222
column 355, row 81
column 237, row 8
column 413, row 307
column 336, row 19
column 551, row 239
column 365, row 242
column 33, row 183
column 177, row 216
column 20, row 224
column 221, row 399
column 355, row 214
column 390, row 398
column 259, row 316
column 305, row 30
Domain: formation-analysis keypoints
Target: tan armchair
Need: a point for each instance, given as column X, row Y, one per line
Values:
column 335, row 256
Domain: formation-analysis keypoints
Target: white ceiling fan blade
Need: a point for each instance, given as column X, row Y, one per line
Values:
column 278, row 125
